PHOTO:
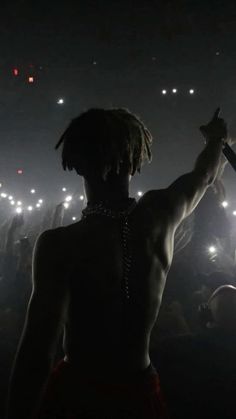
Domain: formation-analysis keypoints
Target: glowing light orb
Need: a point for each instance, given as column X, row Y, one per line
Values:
column 19, row 203
column 225, row 204
column 191, row 91
column 68, row 198
column 81, row 197
column 30, row 208
column 140, row 193
column 73, row 218
column 19, row 171
column 30, row 79
column 212, row 249
column 18, row 210
column 0, row 185
column 12, row 202
column 174, row 90
column 234, row 213
column 40, row 201
column 66, row 205
column 63, row 189
column 60, row 101
column 10, row 197
column 32, row 191
column 164, row 91
column 15, row 72
column 38, row 205
column 3, row 195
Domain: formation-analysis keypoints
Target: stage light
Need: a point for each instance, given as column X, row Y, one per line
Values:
column 18, row 210
column 66, row 205
column 15, row 71
column 19, row 203
column 191, row 91
column 81, row 197
column 38, row 205
column 212, row 249
column 140, row 193
column 30, row 79
column 3, row 195
column 19, row 171
column 10, row 197
column 60, row 101
column 68, row 198
column 64, row 189
column 30, row 208
column 32, row 191
column 174, row 90
column 225, row 204
column 0, row 185
column 164, row 91
column 234, row 213
column 40, row 201
column 73, row 218
column 12, row 202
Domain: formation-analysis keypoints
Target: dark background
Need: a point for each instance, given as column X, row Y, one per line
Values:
column 112, row 53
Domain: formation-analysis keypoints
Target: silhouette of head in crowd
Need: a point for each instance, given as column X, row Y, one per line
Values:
column 105, row 146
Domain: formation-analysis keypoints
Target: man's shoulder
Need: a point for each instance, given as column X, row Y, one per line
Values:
column 158, row 200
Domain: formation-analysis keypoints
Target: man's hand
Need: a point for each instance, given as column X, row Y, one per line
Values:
column 216, row 129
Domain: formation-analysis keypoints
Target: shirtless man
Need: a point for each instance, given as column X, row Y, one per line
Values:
column 103, row 277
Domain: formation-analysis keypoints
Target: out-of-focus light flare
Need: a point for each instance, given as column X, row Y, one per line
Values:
column 164, row 91
column 212, row 249
column 234, row 213
column 74, row 218
column 19, row 203
column 30, row 208
column 63, row 189
column 19, row 171
column 30, row 79
column 66, row 205
column 81, row 197
column 18, row 210
column 225, row 204
column 60, row 101
column 3, row 195
column 40, row 201
column 191, row 91
column 15, row 71
column 10, row 197
column 12, row 202
column 38, row 205
column 68, row 198
column 140, row 193
column 0, row 185
column 174, row 90
column 32, row 191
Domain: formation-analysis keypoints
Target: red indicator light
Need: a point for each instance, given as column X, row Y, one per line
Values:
column 15, row 71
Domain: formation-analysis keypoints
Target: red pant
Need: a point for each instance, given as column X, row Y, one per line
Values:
column 70, row 397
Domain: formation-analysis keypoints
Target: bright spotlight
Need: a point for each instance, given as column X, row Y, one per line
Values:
column 19, row 203
column 32, row 191
column 81, row 197
column 164, row 91
column 68, row 198
column 63, row 189
column 18, row 210
column 10, row 197
column 12, row 202
column 212, row 249
column 174, row 90
column 30, row 208
column 40, row 201
column 225, row 204
column 73, row 218
column 191, row 91
column 66, row 205
column 38, row 205
column 0, row 185
column 60, row 101
column 140, row 193
column 234, row 213
column 3, row 195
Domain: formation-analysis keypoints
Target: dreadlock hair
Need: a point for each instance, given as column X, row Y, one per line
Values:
column 104, row 141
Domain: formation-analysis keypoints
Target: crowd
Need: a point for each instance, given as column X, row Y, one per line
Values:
column 194, row 357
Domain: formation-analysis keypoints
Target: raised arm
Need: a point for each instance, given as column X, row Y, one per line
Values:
column 184, row 194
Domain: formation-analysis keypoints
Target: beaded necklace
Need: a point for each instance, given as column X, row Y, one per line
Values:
column 102, row 208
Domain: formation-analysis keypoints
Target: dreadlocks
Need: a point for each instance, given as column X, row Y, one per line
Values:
column 104, row 141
